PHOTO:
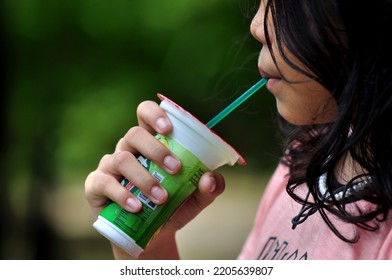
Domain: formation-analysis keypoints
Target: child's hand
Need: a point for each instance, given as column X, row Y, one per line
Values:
column 104, row 183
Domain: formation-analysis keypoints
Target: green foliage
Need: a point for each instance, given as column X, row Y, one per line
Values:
column 77, row 69
column 86, row 64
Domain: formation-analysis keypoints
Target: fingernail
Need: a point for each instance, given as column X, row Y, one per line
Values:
column 158, row 193
column 171, row 163
column 162, row 123
column 212, row 184
column 132, row 203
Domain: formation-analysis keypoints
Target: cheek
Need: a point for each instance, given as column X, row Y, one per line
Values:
column 306, row 105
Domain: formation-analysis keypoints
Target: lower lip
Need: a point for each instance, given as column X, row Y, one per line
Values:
column 272, row 83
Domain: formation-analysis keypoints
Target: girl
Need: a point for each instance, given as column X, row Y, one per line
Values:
column 329, row 68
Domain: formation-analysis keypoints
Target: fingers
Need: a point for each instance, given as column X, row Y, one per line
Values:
column 101, row 187
column 153, row 118
column 124, row 164
column 104, row 183
column 139, row 140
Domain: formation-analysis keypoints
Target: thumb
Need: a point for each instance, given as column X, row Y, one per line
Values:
column 211, row 185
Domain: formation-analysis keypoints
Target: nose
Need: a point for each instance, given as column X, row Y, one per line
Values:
column 257, row 27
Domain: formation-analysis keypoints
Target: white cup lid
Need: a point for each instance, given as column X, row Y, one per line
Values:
column 195, row 136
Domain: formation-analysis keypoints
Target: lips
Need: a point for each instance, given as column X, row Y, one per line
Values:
column 267, row 75
column 273, row 79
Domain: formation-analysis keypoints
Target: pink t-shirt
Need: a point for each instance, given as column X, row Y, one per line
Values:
column 272, row 236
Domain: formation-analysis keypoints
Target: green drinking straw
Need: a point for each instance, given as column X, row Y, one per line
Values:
column 237, row 102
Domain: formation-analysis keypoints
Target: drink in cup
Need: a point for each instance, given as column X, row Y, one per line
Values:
column 199, row 149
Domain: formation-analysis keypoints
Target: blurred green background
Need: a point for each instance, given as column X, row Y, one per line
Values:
column 73, row 74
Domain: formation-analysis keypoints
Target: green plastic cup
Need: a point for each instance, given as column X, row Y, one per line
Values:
column 199, row 150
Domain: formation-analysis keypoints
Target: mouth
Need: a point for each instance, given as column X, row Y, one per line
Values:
column 273, row 79
column 268, row 75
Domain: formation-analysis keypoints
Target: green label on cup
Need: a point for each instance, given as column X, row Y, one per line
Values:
column 142, row 226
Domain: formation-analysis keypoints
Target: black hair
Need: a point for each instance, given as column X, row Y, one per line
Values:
column 345, row 47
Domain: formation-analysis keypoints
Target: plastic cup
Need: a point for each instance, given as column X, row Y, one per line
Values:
column 199, row 150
